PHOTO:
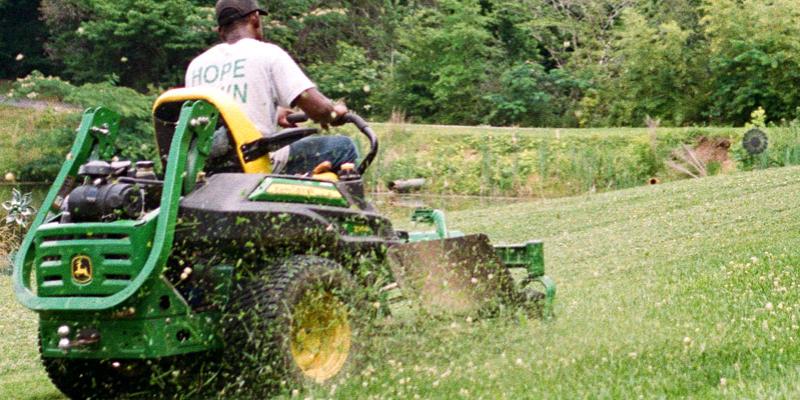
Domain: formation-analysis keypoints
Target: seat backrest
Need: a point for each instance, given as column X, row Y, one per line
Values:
column 167, row 111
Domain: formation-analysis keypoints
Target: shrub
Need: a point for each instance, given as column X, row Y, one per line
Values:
column 44, row 152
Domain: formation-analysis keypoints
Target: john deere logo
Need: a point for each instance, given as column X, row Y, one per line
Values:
column 81, row 269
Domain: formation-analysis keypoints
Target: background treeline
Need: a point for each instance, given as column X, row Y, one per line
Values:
column 501, row 62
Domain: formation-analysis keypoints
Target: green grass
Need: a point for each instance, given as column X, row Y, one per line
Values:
column 689, row 289
column 663, row 292
column 23, row 136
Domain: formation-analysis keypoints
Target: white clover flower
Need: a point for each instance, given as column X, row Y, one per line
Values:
column 768, row 306
column 687, row 340
column 367, row 89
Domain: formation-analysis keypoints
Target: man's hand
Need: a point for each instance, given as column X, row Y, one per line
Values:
column 337, row 115
column 283, row 118
column 320, row 109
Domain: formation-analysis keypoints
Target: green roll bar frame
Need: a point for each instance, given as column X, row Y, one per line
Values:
column 95, row 139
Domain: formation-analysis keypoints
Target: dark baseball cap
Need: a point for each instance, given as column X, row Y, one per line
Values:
column 231, row 10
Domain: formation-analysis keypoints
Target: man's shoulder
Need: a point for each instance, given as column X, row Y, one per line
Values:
column 261, row 46
column 211, row 52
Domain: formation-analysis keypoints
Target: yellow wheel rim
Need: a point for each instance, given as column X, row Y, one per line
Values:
column 321, row 334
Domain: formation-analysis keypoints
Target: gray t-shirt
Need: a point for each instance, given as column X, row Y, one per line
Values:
column 260, row 76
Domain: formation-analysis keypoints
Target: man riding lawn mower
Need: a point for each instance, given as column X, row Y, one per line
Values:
column 164, row 276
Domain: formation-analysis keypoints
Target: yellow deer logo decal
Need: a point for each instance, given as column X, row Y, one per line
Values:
column 81, row 269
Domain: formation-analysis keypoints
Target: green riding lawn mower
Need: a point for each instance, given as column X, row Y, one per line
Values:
column 160, row 277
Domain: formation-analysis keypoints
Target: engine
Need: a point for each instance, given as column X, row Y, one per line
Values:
column 112, row 191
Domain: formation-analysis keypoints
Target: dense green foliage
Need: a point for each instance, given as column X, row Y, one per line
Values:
column 39, row 141
column 21, row 39
column 500, row 62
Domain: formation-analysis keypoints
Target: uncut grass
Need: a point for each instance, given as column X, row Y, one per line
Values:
column 17, row 124
column 681, row 290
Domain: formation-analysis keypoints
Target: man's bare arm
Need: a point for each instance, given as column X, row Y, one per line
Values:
column 320, row 108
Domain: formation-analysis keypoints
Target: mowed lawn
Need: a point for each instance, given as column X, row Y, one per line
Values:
column 682, row 290
column 688, row 289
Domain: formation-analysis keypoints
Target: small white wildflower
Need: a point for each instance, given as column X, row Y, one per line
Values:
column 519, row 362
column 754, row 259
column 10, row 177
column 20, row 57
column 723, row 382
column 81, row 30
column 768, row 306
column 32, row 95
column 687, row 340
column 474, row 280
column 123, row 60
column 632, row 354
column 367, row 89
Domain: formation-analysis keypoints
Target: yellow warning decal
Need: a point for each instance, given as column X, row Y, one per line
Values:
column 81, row 269
column 282, row 189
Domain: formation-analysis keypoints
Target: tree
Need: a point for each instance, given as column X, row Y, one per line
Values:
column 754, row 57
column 138, row 42
column 21, row 38
column 654, row 72
column 351, row 77
column 445, row 58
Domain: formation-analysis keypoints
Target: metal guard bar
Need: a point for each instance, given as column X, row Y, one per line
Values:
column 164, row 234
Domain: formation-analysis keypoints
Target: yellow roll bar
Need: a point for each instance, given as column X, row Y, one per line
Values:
column 239, row 125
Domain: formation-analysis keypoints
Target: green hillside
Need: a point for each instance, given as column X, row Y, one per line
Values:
column 688, row 289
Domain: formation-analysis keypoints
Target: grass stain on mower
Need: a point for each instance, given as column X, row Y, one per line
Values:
column 140, row 277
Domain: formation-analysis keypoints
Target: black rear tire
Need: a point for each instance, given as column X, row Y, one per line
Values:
column 296, row 323
column 146, row 379
column 95, row 379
